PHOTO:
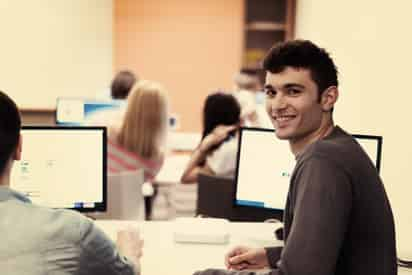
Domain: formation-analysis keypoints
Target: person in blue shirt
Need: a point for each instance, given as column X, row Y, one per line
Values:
column 37, row 240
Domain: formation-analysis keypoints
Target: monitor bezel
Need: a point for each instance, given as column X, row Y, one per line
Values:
column 276, row 211
column 98, row 207
column 379, row 151
column 249, row 211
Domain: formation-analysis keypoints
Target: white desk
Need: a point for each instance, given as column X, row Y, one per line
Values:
column 161, row 255
column 404, row 271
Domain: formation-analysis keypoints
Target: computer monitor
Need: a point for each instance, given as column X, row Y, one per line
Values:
column 95, row 112
column 79, row 111
column 63, row 167
column 265, row 164
column 372, row 145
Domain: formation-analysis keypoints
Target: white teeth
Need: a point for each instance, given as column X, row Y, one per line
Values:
column 283, row 118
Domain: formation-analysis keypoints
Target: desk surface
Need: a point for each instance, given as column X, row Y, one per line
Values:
column 161, row 255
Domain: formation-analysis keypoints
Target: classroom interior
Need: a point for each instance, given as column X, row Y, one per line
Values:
column 54, row 49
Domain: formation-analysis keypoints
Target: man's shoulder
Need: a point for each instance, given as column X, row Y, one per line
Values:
column 334, row 146
column 69, row 224
column 340, row 150
column 55, row 213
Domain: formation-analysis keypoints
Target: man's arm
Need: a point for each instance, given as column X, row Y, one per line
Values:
column 321, row 211
column 100, row 255
column 320, row 217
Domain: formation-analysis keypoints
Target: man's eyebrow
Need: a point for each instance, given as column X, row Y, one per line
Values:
column 285, row 86
column 293, row 85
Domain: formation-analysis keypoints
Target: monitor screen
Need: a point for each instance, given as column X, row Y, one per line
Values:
column 265, row 164
column 372, row 145
column 63, row 167
column 95, row 112
column 80, row 111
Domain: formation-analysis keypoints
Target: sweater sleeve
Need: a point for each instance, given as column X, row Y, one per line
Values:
column 322, row 206
column 99, row 254
column 273, row 254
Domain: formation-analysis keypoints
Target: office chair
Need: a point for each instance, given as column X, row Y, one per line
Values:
column 215, row 197
column 124, row 196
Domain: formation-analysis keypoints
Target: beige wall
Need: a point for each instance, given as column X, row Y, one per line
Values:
column 371, row 43
column 52, row 48
column 191, row 47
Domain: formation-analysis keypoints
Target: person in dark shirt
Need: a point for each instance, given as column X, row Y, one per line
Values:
column 337, row 218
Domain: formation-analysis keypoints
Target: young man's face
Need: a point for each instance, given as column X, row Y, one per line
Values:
column 293, row 104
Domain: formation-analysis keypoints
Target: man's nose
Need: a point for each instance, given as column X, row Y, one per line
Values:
column 276, row 104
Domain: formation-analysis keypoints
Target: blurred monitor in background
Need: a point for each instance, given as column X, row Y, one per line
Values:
column 91, row 112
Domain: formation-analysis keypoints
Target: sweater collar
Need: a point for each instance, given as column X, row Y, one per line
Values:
column 9, row 194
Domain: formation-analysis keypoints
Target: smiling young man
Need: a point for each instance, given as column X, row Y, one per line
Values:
column 337, row 219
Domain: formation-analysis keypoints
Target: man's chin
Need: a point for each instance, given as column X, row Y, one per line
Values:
column 282, row 136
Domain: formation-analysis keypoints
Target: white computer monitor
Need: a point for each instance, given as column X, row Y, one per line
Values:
column 372, row 145
column 84, row 111
column 71, row 111
column 63, row 167
column 265, row 164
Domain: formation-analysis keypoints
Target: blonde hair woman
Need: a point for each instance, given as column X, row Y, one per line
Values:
column 140, row 140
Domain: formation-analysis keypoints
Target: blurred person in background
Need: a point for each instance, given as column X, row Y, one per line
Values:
column 217, row 151
column 248, row 92
column 120, row 88
column 140, row 140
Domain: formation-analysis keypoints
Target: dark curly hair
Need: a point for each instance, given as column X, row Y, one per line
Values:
column 303, row 54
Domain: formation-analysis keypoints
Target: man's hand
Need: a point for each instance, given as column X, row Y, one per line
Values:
column 242, row 257
column 129, row 244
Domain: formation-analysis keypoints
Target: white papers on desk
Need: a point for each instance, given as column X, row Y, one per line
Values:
column 201, row 230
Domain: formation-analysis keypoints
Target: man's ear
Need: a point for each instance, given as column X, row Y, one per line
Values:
column 17, row 151
column 329, row 98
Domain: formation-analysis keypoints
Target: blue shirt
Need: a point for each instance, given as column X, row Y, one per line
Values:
column 37, row 240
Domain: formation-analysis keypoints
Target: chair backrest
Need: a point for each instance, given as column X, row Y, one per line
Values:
column 215, row 197
column 124, row 196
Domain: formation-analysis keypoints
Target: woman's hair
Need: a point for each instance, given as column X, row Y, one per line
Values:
column 144, row 126
column 219, row 108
